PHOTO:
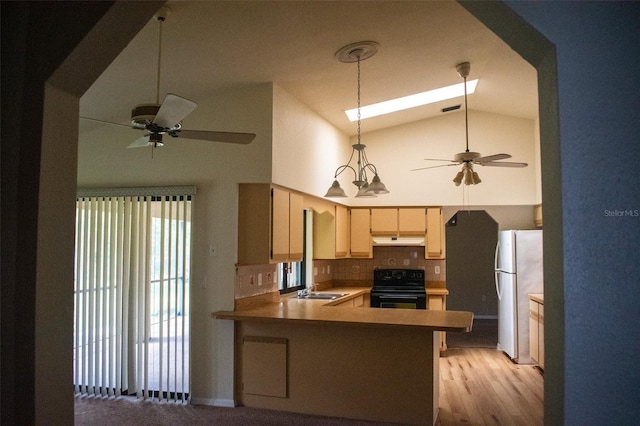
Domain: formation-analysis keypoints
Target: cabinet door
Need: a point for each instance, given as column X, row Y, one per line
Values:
column 254, row 224
column 411, row 221
column 533, row 331
column 361, row 233
column 541, row 335
column 384, row 221
column 296, row 227
column 433, row 249
column 342, row 231
column 280, row 212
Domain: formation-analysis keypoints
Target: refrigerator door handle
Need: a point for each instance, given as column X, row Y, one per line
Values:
column 497, row 271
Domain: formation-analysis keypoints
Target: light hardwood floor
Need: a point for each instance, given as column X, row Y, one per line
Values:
column 483, row 387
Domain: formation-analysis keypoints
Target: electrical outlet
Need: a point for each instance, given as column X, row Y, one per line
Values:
column 436, row 270
column 213, row 250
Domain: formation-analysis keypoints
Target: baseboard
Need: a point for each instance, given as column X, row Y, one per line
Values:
column 228, row 403
column 203, row 401
column 485, row 317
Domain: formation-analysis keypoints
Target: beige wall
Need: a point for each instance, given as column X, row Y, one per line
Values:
column 397, row 150
column 215, row 169
column 306, row 148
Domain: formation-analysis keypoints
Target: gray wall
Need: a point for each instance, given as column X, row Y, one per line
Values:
column 471, row 237
column 592, row 320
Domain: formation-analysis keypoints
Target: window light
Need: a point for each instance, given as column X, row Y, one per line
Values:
column 411, row 101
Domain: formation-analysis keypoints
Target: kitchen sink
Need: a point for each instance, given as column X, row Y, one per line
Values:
column 322, row 296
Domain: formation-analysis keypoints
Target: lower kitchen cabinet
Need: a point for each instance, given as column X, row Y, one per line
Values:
column 536, row 329
column 438, row 302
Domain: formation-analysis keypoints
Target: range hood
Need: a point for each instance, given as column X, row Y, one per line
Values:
column 398, row 241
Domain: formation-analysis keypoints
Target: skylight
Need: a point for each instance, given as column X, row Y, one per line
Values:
column 412, row 101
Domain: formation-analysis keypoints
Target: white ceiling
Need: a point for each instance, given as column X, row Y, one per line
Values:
column 212, row 46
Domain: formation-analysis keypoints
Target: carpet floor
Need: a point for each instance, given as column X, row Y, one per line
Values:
column 128, row 411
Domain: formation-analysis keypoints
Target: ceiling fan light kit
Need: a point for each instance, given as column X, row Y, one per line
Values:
column 158, row 119
column 469, row 158
column 357, row 52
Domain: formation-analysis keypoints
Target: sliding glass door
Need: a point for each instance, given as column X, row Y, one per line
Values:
column 131, row 311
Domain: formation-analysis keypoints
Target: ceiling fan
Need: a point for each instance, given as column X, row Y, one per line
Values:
column 158, row 119
column 469, row 158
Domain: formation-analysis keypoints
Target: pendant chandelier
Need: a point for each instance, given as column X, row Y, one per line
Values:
column 357, row 52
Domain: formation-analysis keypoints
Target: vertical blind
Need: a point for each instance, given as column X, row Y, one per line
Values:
column 132, row 268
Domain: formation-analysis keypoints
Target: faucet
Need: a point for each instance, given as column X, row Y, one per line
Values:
column 306, row 291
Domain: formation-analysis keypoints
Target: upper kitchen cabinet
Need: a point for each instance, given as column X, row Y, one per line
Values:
column 434, row 243
column 398, row 221
column 361, row 244
column 411, row 221
column 537, row 215
column 331, row 233
column 270, row 225
column 384, row 221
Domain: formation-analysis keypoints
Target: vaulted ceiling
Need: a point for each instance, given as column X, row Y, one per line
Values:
column 212, row 46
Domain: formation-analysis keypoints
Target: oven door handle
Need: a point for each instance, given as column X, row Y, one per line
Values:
column 401, row 296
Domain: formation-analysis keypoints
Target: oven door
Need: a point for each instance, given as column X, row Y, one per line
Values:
column 398, row 300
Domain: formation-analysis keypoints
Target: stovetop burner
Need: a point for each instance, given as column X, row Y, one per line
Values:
column 395, row 278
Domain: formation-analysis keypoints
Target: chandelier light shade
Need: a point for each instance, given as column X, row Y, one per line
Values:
column 357, row 52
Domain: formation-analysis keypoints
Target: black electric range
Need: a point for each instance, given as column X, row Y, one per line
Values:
column 399, row 288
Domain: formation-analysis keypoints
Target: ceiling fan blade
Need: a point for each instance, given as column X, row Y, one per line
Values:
column 439, row 159
column 228, row 137
column 489, row 158
column 434, row 167
column 106, row 122
column 503, row 164
column 173, row 110
column 140, row 142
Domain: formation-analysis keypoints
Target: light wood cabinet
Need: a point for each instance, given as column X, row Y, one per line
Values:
column 411, row 221
column 270, row 225
column 384, row 221
column 331, row 233
column 536, row 331
column 342, row 231
column 537, row 215
column 361, row 245
column 438, row 302
column 398, row 221
column 434, row 243
column 354, row 302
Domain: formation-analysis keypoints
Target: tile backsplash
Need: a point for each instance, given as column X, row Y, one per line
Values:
column 383, row 257
column 255, row 280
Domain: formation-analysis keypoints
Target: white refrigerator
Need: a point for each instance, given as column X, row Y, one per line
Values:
column 518, row 272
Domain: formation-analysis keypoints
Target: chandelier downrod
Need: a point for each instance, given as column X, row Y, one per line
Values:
column 357, row 52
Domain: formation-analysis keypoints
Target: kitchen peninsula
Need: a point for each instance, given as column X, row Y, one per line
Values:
column 336, row 359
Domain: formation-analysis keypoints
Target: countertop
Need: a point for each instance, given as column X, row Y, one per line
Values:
column 537, row 297
column 292, row 309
